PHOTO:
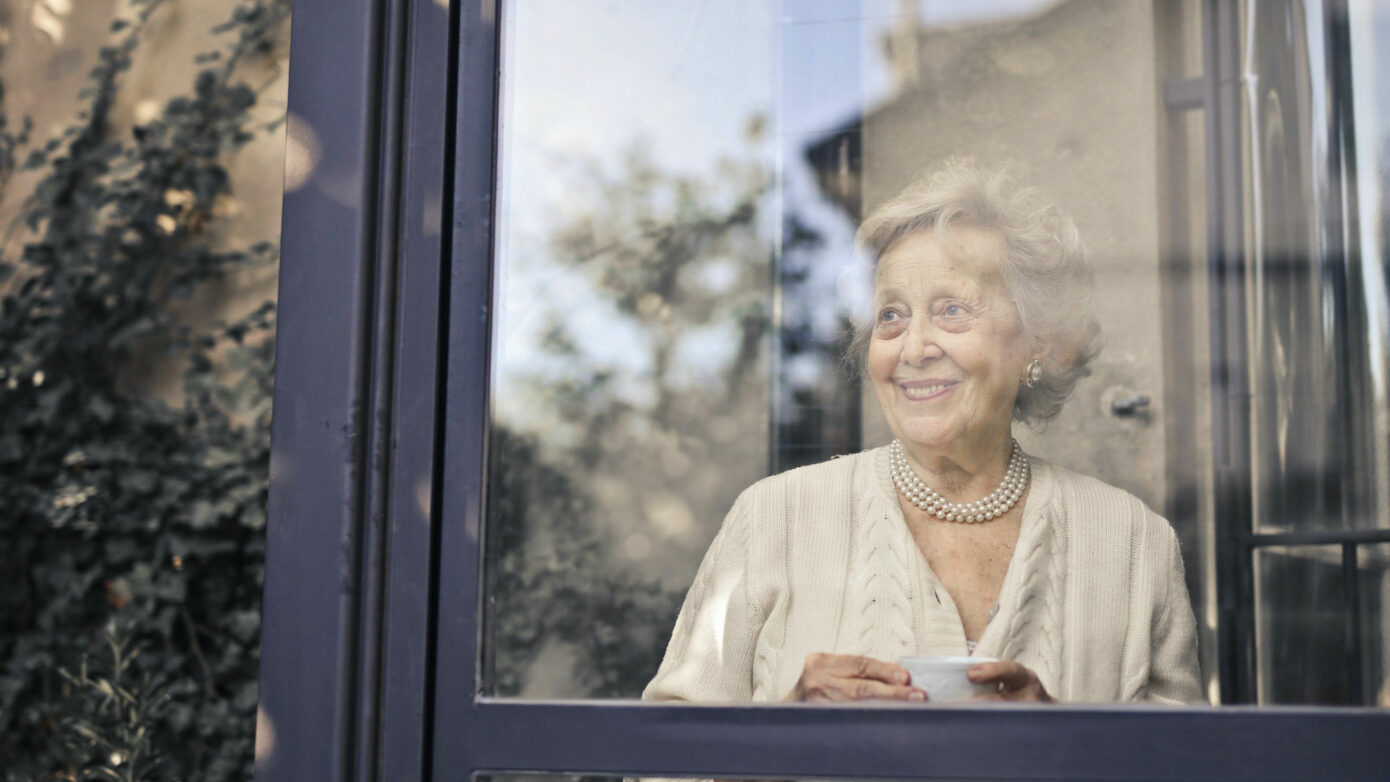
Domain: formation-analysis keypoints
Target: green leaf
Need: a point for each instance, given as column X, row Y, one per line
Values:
column 120, row 550
column 101, row 409
column 218, row 457
column 253, row 517
column 246, row 697
column 202, row 515
column 140, row 481
column 245, row 625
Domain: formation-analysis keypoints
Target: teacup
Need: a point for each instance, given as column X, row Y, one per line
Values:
column 944, row 678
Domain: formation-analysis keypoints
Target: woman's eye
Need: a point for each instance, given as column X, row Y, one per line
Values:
column 953, row 316
column 890, row 322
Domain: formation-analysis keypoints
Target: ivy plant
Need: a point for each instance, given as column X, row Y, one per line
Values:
column 132, row 523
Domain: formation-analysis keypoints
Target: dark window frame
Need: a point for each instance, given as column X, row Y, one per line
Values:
column 372, row 628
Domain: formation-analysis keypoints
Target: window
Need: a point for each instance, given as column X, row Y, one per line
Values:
column 645, row 218
column 678, row 190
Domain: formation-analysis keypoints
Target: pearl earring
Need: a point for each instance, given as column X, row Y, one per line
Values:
column 1033, row 373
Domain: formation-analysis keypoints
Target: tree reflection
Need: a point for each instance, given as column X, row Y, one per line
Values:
column 557, row 586
column 611, row 467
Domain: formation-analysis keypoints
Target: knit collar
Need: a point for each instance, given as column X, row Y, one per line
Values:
column 1028, row 567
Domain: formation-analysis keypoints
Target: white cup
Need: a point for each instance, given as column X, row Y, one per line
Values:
column 944, row 678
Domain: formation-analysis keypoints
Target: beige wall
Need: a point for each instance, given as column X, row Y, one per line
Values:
column 1070, row 100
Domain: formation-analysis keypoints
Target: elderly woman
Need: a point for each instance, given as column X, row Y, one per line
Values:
column 950, row 540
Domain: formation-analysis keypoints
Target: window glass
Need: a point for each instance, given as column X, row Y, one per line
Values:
column 1303, row 612
column 1310, row 613
column 1373, row 602
column 677, row 292
column 632, row 380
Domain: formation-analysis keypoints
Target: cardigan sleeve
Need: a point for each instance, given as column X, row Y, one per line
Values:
column 711, row 651
column 1174, row 671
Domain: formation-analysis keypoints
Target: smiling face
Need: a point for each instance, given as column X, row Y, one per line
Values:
column 947, row 348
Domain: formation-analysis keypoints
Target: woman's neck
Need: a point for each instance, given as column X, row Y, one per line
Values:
column 962, row 473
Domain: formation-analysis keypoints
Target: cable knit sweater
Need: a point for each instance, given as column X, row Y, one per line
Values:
column 820, row 559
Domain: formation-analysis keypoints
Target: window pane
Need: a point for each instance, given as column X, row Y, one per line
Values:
column 1301, row 613
column 1370, row 29
column 1369, row 26
column 633, row 375
column 678, row 284
column 1374, row 598
column 1316, row 311
column 1306, row 641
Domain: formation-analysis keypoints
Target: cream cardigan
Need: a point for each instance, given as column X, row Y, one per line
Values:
column 820, row 559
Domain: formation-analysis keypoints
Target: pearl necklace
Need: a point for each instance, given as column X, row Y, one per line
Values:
column 996, row 504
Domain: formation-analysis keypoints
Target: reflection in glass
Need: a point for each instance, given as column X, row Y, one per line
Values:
column 673, row 273
column 1309, row 349
column 677, row 191
column 1373, row 588
column 1300, row 618
column 631, row 378
column 1322, row 635
column 1369, row 27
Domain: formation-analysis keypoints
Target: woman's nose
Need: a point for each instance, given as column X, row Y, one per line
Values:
column 922, row 343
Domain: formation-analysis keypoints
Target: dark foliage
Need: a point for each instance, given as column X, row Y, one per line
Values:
column 553, row 581
column 130, row 523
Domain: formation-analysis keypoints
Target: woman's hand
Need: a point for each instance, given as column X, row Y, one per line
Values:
column 1016, row 681
column 848, row 677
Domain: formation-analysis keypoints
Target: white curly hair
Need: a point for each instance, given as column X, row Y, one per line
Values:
column 1045, row 270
